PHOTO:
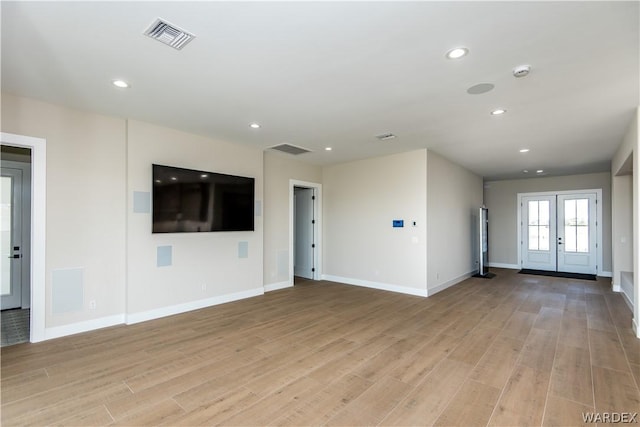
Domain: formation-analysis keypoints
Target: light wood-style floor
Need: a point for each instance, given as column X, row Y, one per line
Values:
column 514, row 350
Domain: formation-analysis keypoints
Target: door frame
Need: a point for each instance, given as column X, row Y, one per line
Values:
column 317, row 230
column 38, row 227
column 599, row 220
column 306, row 222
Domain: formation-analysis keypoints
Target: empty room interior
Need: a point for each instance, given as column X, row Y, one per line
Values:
column 320, row 213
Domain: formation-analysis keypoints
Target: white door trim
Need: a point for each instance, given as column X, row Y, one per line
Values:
column 38, row 227
column 317, row 206
column 598, row 191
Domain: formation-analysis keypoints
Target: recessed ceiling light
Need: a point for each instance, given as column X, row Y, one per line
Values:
column 525, row 171
column 121, row 84
column 254, row 125
column 457, row 52
column 158, row 181
column 204, row 175
column 328, row 148
column 498, row 112
column 173, row 178
column 540, row 171
column 524, row 150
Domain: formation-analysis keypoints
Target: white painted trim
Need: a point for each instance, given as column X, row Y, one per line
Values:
column 502, row 265
column 38, row 148
column 376, row 285
column 616, row 288
column 85, row 326
column 449, row 283
column 599, row 218
column 276, row 286
column 190, row 306
column 318, row 226
column 636, row 330
column 626, row 299
column 605, row 274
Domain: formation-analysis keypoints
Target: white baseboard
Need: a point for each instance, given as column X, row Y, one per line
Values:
column 190, row 306
column 626, row 299
column 501, row 265
column 84, row 326
column 636, row 330
column 441, row 287
column 615, row 287
column 376, row 285
column 275, row 286
column 605, row 274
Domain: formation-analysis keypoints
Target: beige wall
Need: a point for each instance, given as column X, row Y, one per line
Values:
column 500, row 197
column 279, row 169
column 86, row 200
column 622, row 196
column 625, row 166
column 361, row 199
column 199, row 259
column 454, row 196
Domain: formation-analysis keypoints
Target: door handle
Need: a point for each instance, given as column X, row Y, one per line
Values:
column 14, row 256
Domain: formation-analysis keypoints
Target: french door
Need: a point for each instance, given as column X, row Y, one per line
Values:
column 559, row 232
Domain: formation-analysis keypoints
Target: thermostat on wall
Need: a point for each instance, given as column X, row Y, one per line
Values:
column 398, row 223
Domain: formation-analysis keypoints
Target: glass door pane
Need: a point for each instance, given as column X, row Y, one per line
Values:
column 576, row 225
column 6, row 211
column 538, row 225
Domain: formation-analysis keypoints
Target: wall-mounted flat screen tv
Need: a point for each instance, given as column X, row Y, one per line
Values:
column 186, row 200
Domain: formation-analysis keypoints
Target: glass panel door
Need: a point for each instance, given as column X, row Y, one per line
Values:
column 539, row 232
column 577, row 235
column 11, row 237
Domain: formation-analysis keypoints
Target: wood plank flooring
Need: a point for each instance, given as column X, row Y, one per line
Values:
column 513, row 350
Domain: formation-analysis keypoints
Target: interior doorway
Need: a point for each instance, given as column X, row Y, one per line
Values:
column 560, row 232
column 15, row 253
column 36, row 230
column 303, row 233
column 305, row 218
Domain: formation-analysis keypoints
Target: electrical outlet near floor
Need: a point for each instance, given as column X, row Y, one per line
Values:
column 92, row 304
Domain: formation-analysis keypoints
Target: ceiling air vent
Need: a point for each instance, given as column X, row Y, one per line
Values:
column 169, row 34
column 290, row 149
column 385, row 136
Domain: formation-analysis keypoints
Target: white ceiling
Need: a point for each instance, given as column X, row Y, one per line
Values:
column 317, row 74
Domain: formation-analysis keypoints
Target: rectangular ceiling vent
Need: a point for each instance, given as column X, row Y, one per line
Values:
column 169, row 34
column 385, row 136
column 290, row 149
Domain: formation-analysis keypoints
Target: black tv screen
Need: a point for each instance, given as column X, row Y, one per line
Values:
column 186, row 200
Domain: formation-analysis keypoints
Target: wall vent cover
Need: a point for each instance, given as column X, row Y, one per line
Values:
column 385, row 136
column 169, row 34
column 290, row 149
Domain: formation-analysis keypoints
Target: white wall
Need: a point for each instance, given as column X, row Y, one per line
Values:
column 279, row 169
column 454, row 196
column 205, row 266
column 85, row 201
column 94, row 163
column 500, row 197
column 361, row 199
